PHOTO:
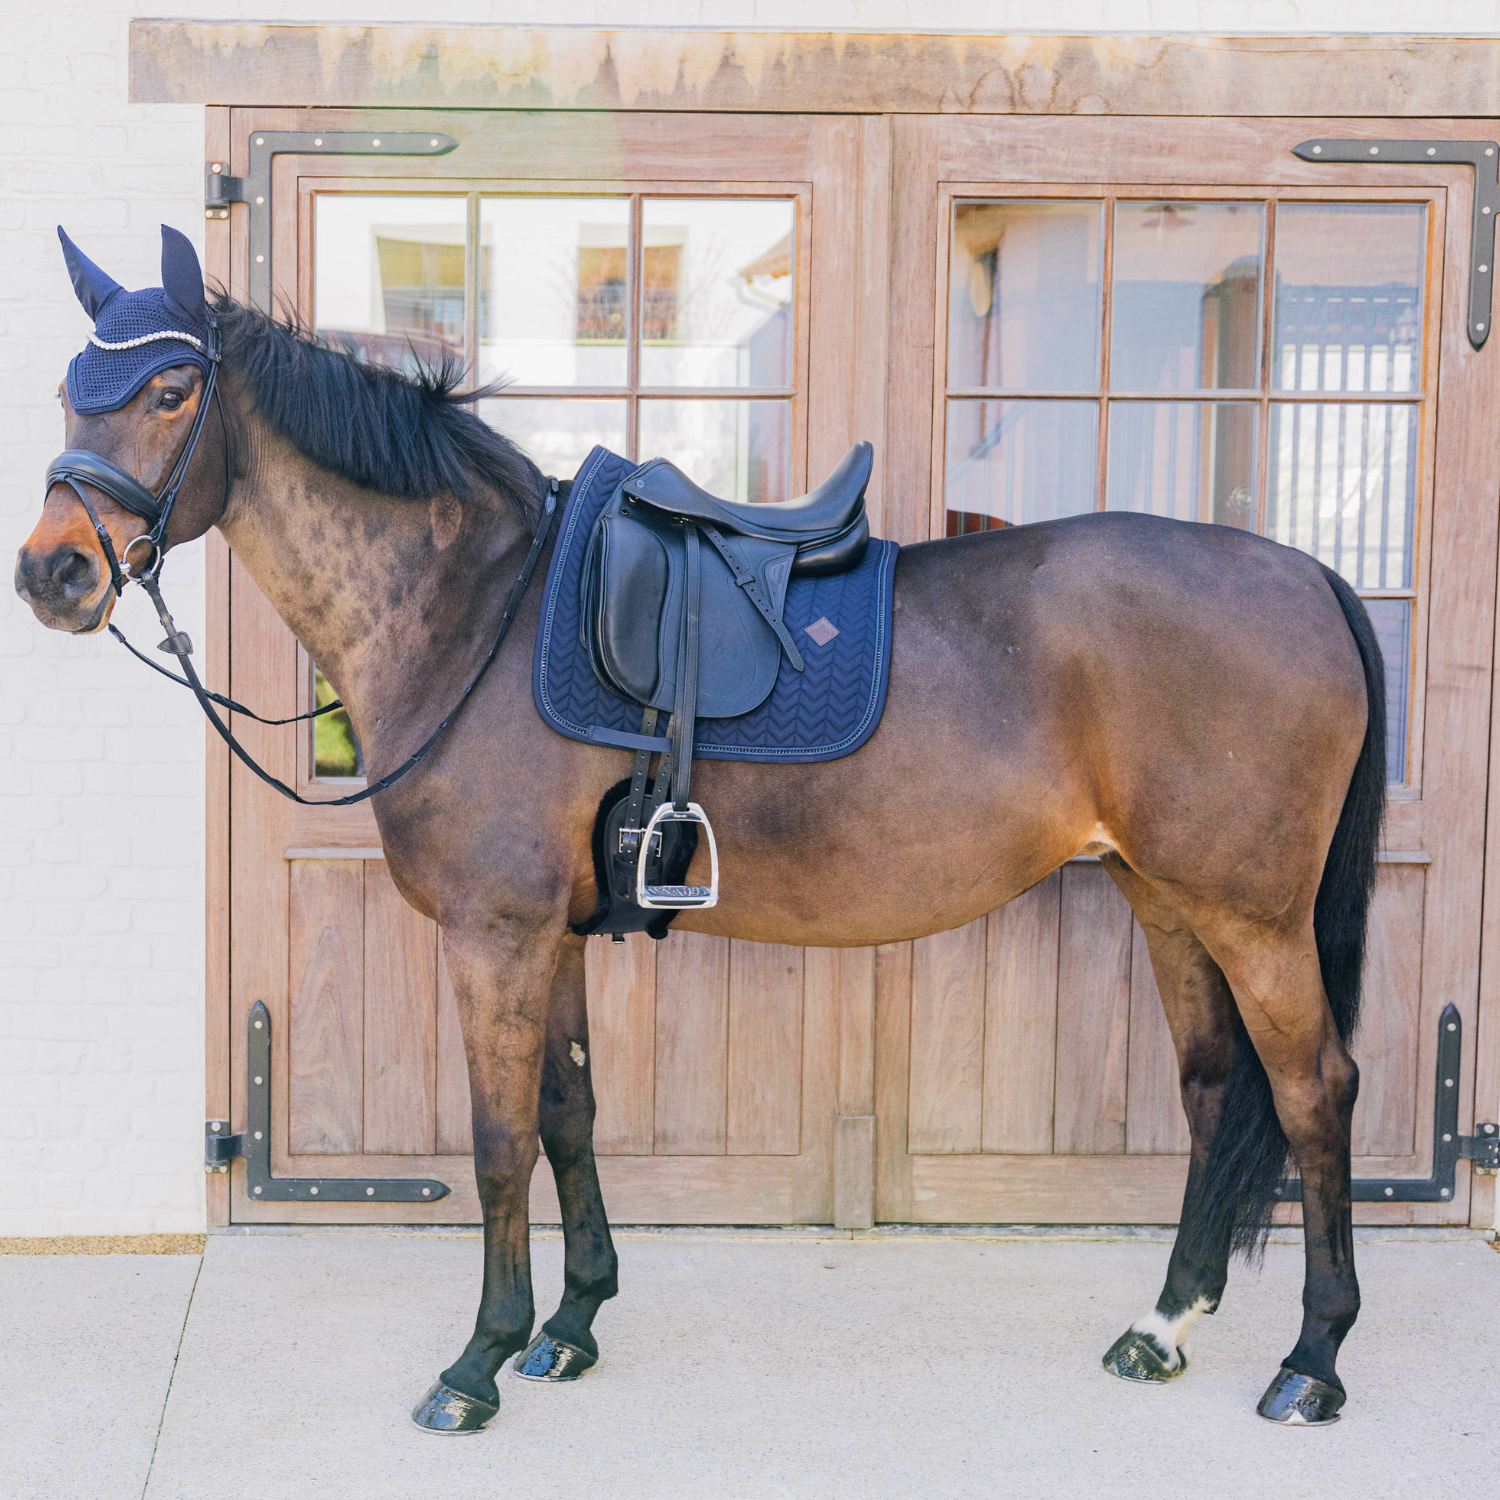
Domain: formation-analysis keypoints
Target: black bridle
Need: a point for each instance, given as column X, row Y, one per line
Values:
column 79, row 466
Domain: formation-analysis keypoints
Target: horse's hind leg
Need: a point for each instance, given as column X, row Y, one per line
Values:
column 1200, row 1015
column 1278, row 987
column 565, row 1347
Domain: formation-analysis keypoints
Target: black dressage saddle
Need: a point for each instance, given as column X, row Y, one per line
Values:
column 681, row 607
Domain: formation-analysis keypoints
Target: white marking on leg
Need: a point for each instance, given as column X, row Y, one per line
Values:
column 1171, row 1334
column 576, row 1053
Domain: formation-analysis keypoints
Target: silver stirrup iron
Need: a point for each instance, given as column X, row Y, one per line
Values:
column 678, row 897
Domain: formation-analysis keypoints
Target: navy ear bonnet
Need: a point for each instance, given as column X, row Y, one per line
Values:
column 136, row 334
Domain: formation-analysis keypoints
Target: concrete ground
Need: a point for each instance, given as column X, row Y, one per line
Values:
column 734, row 1364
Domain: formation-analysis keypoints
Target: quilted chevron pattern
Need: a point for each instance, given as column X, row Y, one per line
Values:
column 828, row 711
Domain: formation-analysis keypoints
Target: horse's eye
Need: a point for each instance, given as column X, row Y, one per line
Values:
column 171, row 400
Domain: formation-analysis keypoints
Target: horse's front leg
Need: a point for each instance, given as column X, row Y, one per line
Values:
column 502, row 979
column 565, row 1347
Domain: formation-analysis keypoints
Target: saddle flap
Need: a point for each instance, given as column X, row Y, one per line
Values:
column 632, row 597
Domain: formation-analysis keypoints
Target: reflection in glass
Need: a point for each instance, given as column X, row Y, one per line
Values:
column 1191, row 460
column 1349, row 296
column 1186, row 297
column 1009, row 462
column 1342, row 485
column 336, row 751
column 1392, row 621
column 1023, row 296
column 388, row 275
column 737, row 450
column 716, row 294
column 554, row 299
column 558, row 433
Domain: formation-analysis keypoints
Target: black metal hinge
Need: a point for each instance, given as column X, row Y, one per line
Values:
column 254, row 188
column 1448, row 1146
column 1483, row 156
column 254, row 1144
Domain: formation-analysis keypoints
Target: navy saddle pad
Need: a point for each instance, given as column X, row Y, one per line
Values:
column 827, row 711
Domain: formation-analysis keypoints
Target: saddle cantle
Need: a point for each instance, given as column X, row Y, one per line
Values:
column 681, row 601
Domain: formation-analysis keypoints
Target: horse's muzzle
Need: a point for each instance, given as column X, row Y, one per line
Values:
column 62, row 586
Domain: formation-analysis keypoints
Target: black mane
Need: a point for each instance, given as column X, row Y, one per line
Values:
column 410, row 436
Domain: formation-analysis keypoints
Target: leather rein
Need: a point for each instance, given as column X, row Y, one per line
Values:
column 78, row 466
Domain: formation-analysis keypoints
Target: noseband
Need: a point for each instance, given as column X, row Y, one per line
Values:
column 76, row 467
column 79, row 466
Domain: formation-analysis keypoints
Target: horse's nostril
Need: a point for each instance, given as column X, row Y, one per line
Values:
column 74, row 572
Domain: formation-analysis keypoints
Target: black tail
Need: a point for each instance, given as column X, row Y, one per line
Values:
column 1250, row 1153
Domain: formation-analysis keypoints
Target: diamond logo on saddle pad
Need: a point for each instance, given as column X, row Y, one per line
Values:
column 822, row 630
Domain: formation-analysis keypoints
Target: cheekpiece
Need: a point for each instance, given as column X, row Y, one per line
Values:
column 136, row 334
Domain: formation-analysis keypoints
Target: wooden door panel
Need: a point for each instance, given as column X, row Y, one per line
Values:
column 622, row 1037
column 764, row 1092
column 400, row 1021
column 1155, row 1123
column 326, row 1037
column 1093, row 1013
column 1020, row 1021
column 692, row 1044
column 947, row 1041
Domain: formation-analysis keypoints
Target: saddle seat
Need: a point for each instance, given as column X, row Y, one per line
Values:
column 827, row 524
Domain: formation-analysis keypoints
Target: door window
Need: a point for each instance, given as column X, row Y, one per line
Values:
column 1254, row 364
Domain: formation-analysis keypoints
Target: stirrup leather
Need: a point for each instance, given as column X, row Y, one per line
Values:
column 678, row 897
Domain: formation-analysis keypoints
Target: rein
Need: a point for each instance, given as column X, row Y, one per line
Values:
column 77, row 466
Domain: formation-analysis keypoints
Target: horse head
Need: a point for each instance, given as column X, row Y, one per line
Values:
column 131, row 402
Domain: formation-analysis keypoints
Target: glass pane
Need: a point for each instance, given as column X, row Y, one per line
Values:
column 1009, row 462
column 716, row 304
column 737, row 450
column 558, row 433
column 554, row 295
column 1392, row 621
column 388, row 275
column 336, row 751
column 1023, row 296
column 1191, row 460
column 1186, row 309
column 1349, row 296
column 1342, row 485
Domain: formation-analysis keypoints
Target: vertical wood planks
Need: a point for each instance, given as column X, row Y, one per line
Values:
column 1154, row 1120
column 1020, row 1025
column 1093, row 1013
column 400, row 1020
column 1389, row 1039
column 692, row 1041
column 621, row 979
column 325, row 1044
column 764, row 1094
column 455, row 1117
column 947, row 1040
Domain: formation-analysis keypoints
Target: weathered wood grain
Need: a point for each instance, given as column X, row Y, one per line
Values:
column 764, row 1089
column 568, row 68
column 621, row 980
column 692, row 1044
column 947, row 1041
column 1020, row 1025
column 325, row 1081
column 400, row 1021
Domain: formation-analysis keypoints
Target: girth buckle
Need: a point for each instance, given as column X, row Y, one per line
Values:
column 678, row 897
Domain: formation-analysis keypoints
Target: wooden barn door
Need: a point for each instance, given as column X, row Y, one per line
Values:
column 683, row 285
column 1187, row 319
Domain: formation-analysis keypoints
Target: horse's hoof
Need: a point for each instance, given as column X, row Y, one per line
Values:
column 450, row 1412
column 1138, row 1356
column 1300, row 1400
column 547, row 1358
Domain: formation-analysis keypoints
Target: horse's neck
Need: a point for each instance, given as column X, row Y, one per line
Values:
column 387, row 595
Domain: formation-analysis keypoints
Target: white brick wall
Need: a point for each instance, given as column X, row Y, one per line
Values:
column 101, row 763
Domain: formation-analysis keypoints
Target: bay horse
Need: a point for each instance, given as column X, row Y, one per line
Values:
column 1200, row 707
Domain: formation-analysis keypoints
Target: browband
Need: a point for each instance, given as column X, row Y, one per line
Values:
column 121, row 487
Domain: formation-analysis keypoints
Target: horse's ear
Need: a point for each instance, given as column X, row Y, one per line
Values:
column 181, row 275
column 93, row 286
